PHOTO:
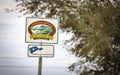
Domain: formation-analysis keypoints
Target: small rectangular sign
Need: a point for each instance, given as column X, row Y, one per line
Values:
column 38, row 29
column 40, row 51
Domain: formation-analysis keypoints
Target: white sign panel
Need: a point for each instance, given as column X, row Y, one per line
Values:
column 40, row 51
column 45, row 30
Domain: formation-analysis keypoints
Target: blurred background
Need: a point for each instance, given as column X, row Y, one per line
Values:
column 13, row 49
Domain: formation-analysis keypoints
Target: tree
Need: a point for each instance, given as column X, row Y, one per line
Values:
column 95, row 25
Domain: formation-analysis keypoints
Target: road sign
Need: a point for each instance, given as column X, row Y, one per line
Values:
column 45, row 30
column 40, row 51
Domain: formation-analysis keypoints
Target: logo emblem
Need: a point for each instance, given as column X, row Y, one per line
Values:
column 41, row 30
column 33, row 49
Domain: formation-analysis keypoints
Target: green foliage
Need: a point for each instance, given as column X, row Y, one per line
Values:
column 95, row 25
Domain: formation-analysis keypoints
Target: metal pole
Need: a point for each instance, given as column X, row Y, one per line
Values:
column 40, row 66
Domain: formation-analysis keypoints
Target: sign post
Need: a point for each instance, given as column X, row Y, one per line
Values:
column 40, row 51
column 40, row 66
column 41, row 31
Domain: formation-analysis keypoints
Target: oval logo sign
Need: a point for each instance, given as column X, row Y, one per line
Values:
column 41, row 30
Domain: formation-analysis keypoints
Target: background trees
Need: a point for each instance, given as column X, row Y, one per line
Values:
column 95, row 25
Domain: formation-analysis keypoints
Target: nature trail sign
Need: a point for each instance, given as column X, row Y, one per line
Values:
column 41, row 31
column 45, row 30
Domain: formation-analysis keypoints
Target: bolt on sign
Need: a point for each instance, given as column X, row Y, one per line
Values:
column 40, row 51
column 45, row 30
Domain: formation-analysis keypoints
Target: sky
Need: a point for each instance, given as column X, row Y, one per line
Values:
column 13, row 49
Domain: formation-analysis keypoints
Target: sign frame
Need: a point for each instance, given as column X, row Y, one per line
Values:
column 52, row 21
